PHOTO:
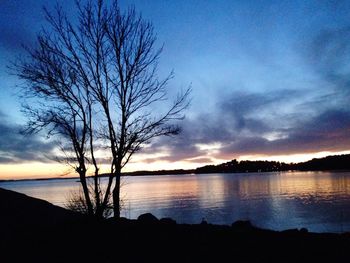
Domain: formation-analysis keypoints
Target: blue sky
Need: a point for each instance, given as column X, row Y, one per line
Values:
column 269, row 78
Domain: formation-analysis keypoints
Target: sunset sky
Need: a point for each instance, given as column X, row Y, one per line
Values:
column 270, row 80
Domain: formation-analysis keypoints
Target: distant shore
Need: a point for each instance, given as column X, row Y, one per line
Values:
column 43, row 232
column 329, row 163
column 160, row 173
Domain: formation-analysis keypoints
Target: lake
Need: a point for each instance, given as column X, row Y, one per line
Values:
column 319, row 201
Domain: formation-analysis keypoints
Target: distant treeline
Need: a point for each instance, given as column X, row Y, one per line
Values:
column 336, row 162
column 235, row 166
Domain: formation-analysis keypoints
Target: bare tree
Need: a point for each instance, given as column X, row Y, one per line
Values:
column 100, row 78
column 60, row 105
column 130, row 85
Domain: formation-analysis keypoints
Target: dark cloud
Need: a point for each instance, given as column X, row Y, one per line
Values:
column 15, row 147
column 241, row 130
column 234, row 117
column 174, row 148
column 328, row 131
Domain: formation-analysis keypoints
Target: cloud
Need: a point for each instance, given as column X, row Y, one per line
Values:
column 286, row 121
column 200, row 160
column 240, row 129
column 328, row 131
column 15, row 147
column 172, row 148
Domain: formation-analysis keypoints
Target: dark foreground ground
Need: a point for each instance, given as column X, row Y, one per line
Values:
column 32, row 230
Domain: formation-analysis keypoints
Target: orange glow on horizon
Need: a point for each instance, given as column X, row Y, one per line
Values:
column 33, row 170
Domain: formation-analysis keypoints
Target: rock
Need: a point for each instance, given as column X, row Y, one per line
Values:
column 20, row 210
column 242, row 225
column 304, row 230
column 290, row 231
column 147, row 218
column 204, row 222
column 123, row 220
column 168, row 221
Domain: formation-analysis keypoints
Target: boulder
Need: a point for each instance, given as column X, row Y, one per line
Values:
column 168, row 221
column 147, row 218
column 242, row 225
column 204, row 222
column 304, row 230
column 291, row 231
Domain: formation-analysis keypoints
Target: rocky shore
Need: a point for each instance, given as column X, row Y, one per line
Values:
column 34, row 230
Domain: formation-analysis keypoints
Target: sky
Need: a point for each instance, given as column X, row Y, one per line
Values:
column 270, row 80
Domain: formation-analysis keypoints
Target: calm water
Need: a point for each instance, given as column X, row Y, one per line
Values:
column 319, row 201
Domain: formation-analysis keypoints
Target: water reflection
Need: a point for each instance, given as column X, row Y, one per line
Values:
column 275, row 200
column 319, row 201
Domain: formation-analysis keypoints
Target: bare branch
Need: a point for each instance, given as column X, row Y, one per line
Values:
column 94, row 83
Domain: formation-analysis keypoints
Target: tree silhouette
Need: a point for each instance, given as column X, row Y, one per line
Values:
column 95, row 83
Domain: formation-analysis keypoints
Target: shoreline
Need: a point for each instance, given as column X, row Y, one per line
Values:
column 149, row 173
column 334, row 163
column 47, row 233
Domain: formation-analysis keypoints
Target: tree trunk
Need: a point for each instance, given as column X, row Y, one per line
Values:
column 82, row 176
column 116, row 195
column 106, row 197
